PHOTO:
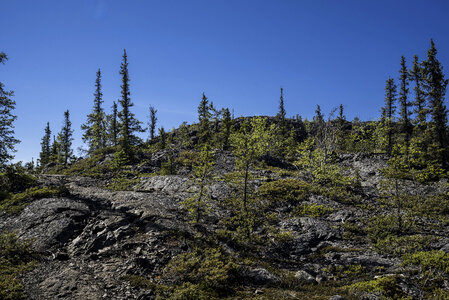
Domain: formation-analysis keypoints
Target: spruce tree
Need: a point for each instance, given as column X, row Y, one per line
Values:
column 45, row 146
column 55, row 151
column 65, row 139
column 420, row 109
column 163, row 138
column 7, row 118
column 129, row 124
column 435, row 87
column 388, row 112
column 204, row 116
column 114, row 125
column 404, row 102
column 226, row 128
column 152, row 123
column 95, row 127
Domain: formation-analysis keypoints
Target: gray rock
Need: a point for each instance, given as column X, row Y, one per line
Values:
column 305, row 276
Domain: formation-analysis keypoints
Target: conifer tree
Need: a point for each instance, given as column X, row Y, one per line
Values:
column 95, row 127
column 388, row 112
column 55, row 151
column 152, row 123
column 128, row 123
column 435, row 87
column 65, row 139
column 204, row 116
column 226, row 128
column 7, row 118
column 45, row 146
column 163, row 138
column 281, row 115
column 114, row 125
column 420, row 109
column 404, row 102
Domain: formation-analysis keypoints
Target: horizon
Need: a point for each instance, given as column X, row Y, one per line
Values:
column 239, row 53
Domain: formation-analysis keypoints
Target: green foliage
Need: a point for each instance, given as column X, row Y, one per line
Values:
column 198, row 204
column 202, row 272
column 65, row 139
column 122, row 184
column 284, row 190
column 399, row 245
column 346, row 271
column 15, row 179
column 168, row 167
column 386, row 286
column 429, row 260
column 381, row 227
column 45, row 153
column 95, row 131
column 7, row 118
column 15, row 203
column 313, row 210
column 318, row 166
column 15, row 259
column 188, row 158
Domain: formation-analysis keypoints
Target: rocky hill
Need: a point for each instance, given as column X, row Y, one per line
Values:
column 131, row 237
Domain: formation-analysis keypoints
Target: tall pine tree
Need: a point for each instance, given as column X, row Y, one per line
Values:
column 65, row 139
column 45, row 146
column 435, row 86
column 204, row 116
column 128, row 123
column 388, row 112
column 152, row 123
column 95, row 127
column 404, row 103
column 7, row 118
column 420, row 110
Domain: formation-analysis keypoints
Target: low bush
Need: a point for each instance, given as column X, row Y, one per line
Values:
column 386, row 286
column 15, row 258
column 15, row 203
column 313, row 210
column 284, row 191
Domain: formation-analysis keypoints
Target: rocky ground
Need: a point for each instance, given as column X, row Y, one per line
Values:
column 89, row 240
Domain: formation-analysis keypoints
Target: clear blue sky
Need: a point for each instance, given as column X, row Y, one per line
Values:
column 239, row 52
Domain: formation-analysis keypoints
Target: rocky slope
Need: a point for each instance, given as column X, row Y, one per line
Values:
column 89, row 241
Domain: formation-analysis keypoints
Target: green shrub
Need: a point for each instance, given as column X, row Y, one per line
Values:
column 187, row 158
column 15, row 258
column 209, row 270
column 122, row 184
column 429, row 260
column 399, row 245
column 386, row 286
column 313, row 210
column 15, row 179
column 17, row 202
column 284, row 190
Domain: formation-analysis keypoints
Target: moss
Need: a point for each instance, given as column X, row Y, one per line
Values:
column 17, row 202
column 386, row 286
column 346, row 271
column 313, row 210
column 15, row 258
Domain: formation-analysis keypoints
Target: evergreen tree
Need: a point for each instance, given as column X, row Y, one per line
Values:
column 114, row 125
column 281, row 115
column 65, row 139
column 403, row 98
column 163, row 138
column 152, row 123
column 435, row 87
column 55, row 151
column 226, row 128
column 45, row 146
column 388, row 113
column 7, row 118
column 204, row 116
column 95, row 127
column 128, row 123
column 420, row 109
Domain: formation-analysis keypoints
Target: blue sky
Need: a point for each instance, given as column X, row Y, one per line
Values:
column 239, row 52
